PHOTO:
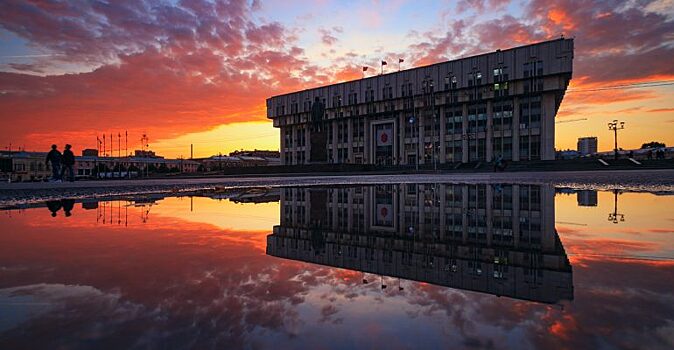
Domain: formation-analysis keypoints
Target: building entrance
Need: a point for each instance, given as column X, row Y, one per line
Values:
column 384, row 139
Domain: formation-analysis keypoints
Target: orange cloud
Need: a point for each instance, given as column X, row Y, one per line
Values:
column 661, row 110
column 172, row 70
column 561, row 18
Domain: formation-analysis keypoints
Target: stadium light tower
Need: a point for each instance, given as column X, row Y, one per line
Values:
column 616, row 125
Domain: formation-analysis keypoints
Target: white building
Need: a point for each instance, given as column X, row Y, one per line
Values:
column 587, row 145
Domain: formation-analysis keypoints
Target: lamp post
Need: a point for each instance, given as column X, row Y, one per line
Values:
column 615, row 216
column 412, row 120
column 429, row 104
column 616, row 125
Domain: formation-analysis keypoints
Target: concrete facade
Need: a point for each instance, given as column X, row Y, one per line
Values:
column 477, row 108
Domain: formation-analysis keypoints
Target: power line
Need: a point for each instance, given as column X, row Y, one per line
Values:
column 626, row 86
column 570, row 120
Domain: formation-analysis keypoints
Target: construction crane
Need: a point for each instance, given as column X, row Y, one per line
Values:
column 570, row 120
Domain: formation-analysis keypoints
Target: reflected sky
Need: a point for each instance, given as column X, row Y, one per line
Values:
column 196, row 272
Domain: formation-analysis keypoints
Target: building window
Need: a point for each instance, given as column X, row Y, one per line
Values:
column 336, row 101
column 481, row 149
column 288, row 138
column 352, row 98
column 533, row 69
column 535, row 147
column 524, row 147
column 507, row 148
column 502, row 115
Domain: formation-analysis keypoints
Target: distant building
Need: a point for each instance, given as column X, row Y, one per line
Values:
column 256, row 153
column 30, row 166
column 90, row 152
column 567, row 154
column 501, row 103
column 24, row 166
column 240, row 160
column 587, row 198
column 145, row 154
column 587, row 145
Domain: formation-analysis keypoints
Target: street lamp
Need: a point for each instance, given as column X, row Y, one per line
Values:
column 615, row 216
column 616, row 125
column 412, row 120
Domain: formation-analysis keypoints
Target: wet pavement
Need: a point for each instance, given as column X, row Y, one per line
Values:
column 631, row 180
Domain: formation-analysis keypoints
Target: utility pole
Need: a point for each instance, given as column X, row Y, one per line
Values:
column 126, row 153
column 119, row 154
column 616, row 125
column 145, row 144
column 98, row 153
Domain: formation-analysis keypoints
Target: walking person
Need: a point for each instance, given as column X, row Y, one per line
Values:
column 54, row 157
column 68, row 163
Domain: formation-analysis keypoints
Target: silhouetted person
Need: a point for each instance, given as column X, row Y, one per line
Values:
column 54, row 207
column 54, row 157
column 650, row 154
column 631, row 154
column 68, row 163
column 499, row 163
column 68, row 205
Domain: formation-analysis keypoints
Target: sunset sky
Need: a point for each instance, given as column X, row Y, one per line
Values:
column 199, row 71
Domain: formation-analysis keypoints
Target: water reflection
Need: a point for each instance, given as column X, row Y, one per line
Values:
column 616, row 217
column 404, row 266
column 496, row 239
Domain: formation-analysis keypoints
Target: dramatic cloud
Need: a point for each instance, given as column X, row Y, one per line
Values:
column 327, row 37
column 481, row 5
column 145, row 66
column 173, row 68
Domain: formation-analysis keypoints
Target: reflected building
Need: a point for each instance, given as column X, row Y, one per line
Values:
column 587, row 198
column 496, row 239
